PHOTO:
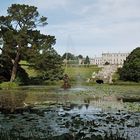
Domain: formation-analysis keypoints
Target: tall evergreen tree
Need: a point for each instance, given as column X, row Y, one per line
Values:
column 21, row 39
column 49, row 65
column 87, row 61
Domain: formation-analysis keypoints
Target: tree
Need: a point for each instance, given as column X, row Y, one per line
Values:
column 131, row 68
column 87, row 61
column 49, row 65
column 80, row 56
column 5, row 70
column 68, row 56
column 21, row 39
column 5, row 67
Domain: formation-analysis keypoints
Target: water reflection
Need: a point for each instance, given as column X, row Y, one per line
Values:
column 58, row 114
column 93, row 106
column 80, row 109
column 11, row 101
column 58, row 120
column 80, row 98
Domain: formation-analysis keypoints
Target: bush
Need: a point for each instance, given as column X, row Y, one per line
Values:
column 131, row 68
column 22, row 77
column 5, row 72
column 8, row 85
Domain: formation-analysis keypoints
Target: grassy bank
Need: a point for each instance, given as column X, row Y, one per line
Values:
column 30, row 70
column 76, row 73
column 81, row 73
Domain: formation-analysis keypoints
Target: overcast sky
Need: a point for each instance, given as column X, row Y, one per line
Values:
column 89, row 27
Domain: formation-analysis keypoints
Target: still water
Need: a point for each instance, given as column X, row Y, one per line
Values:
column 40, row 113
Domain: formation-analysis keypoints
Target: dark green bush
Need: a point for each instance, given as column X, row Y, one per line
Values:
column 131, row 68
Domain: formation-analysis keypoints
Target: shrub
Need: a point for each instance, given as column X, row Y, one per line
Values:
column 8, row 85
column 22, row 77
column 131, row 68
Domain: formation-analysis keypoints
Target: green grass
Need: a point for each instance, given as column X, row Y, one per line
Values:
column 77, row 73
column 115, row 77
column 30, row 70
column 82, row 72
column 8, row 85
column 74, row 71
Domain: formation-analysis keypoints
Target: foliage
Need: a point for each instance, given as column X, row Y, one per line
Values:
column 6, row 68
column 72, row 59
column 21, row 39
column 49, row 65
column 8, row 85
column 29, row 69
column 87, row 61
column 131, row 68
column 72, row 62
column 80, row 56
column 115, row 77
column 22, row 77
column 69, row 56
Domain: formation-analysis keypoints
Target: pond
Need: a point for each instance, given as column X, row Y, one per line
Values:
column 80, row 113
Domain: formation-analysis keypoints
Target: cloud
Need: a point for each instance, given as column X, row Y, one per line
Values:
column 93, row 25
column 109, row 25
column 46, row 4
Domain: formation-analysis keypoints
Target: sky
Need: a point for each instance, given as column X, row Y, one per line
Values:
column 88, row 27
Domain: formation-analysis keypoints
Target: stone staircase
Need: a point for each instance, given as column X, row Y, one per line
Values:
column 106, row 73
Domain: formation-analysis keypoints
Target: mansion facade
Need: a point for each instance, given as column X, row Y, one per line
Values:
column 110, row 58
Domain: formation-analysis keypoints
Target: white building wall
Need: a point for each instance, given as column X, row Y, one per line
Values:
column 112, row 58
column 96, row 61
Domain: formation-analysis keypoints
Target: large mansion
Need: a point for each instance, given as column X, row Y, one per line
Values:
column 110, row 58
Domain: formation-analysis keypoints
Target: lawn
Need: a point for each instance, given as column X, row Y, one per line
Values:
column 30, row 70
column 82, row 73
column 75, row 72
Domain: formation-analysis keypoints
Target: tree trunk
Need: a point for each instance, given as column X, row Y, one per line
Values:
column 15, row 66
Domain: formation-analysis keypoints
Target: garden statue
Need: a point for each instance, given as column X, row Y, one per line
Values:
column 66, row 84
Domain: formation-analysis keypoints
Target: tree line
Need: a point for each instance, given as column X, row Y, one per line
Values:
column 72, row 59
